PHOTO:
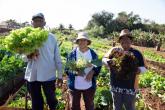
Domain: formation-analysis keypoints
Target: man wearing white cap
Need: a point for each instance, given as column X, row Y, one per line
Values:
column 41, row 72
column 85, row 81
column 124, row 91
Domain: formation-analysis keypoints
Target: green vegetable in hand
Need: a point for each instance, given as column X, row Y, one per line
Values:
column 25, row 40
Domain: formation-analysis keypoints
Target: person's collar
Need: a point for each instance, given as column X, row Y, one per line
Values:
column 78, row 49
column 127, row 49
column 130, row 49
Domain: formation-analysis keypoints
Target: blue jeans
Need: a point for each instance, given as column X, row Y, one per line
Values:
column 34, row 89
column 120, row 99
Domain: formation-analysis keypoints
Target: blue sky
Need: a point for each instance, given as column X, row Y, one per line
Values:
column 78, row 12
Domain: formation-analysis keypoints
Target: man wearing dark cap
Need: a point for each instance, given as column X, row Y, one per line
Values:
column 38, row 20
column 124, row 91
column 41, row 72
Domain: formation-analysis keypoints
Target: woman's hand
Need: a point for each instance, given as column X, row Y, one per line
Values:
column 79, row 72
column 89, row 75
column 89, row 65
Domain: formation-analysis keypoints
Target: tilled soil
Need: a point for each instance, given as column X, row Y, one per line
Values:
column 156, row 66
column 152, row 101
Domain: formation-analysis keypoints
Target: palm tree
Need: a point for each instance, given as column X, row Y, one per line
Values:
column 70, row 28
column 61, row 27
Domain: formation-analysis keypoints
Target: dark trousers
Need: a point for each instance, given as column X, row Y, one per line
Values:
column 120, row 99
column 88, row 96
column 34, row 89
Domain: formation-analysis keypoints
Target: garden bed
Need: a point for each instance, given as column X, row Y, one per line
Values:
column 10, row 87
column 10, row 108
column 156, row 66
column 152, row 101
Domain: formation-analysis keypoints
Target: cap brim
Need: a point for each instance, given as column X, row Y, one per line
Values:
column 89, row 41
column 37, row 17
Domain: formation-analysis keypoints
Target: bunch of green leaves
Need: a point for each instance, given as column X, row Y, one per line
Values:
column 25, row 40
column 116, row 63
column 124, row 65
column 81, row 64
column 76, row 65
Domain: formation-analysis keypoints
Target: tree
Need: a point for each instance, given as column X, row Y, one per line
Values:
column 61, row 27
column 103, row 18
column 102, row 24
column 122, row 17
column 24, row 24
column 134, row 19
column 129, row 21
column 70, row 28
column 97, row 31
column 13, row 24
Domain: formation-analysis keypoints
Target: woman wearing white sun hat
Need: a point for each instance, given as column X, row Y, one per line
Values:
column 85, row 81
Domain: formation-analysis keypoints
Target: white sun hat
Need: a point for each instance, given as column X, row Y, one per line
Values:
column 83, row 35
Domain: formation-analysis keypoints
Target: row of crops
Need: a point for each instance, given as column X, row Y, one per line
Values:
column 11, row 65
column 11, row 71
column 155, row 82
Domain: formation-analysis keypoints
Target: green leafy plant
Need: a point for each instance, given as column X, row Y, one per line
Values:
column 156, row 82
column 146, row 79
column 103, row 98
column 10, row 67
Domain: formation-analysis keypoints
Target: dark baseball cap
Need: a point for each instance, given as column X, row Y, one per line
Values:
column 38, row 15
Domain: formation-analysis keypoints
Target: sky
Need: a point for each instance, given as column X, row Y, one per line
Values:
column 78, row 12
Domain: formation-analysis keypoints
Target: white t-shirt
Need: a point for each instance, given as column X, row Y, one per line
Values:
column 80, row 82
